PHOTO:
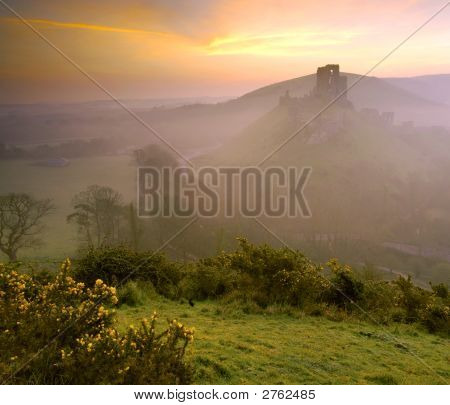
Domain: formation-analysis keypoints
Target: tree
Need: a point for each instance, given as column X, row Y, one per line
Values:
column 21, row 222
column 98, row 213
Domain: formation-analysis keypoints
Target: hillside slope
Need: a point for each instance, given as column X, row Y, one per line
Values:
column 370, row 182
column 431, row 87
column 235, row 348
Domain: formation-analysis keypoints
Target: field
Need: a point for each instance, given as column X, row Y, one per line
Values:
column 61, row 184
column 231, row 347
column 119, row 172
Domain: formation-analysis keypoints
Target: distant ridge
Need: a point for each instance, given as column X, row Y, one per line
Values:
column 432, row 87
column 204, row 124
column 369, row 92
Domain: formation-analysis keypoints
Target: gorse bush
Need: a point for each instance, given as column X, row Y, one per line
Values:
column 410, row 298
column 378, row 299
column 345, row 289
column 440, row 290
column 262, row 273
column 51, row 331
column 115, row 264
column 435, row 317
column 205, row 279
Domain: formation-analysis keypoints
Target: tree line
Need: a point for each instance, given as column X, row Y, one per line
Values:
column 101, row 217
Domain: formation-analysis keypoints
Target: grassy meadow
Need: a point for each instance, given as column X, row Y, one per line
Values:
column 61, row 184
column 287, row 347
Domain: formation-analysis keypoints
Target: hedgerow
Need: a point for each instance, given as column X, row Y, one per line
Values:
column 257, row 277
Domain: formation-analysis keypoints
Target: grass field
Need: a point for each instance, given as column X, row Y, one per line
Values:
column 234, row 348
column 61, row 184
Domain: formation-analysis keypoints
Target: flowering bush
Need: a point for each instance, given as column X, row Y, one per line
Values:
column 114, row 264
column 345, row 288
column 49, row 332
column 436, row 316
column 261, row 273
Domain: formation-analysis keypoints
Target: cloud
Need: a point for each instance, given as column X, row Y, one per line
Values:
column 83, row 26
column 275, row 44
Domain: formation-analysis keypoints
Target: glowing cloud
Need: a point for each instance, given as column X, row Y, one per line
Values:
column 83, row 26
column 275, row 44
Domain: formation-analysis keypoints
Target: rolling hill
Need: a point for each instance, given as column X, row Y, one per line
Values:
column 198, row 125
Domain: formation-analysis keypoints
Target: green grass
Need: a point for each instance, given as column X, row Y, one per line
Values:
column 234, row 348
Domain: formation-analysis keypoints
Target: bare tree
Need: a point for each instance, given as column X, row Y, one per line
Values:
column 99, row 212
column 21, row 222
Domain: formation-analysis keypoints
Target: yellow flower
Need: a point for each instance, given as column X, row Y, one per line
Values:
column 66, row 264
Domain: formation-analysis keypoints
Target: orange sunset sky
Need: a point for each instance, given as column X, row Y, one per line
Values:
column 153, row 49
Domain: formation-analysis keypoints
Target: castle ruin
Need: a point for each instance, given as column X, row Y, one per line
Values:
column 329, row 82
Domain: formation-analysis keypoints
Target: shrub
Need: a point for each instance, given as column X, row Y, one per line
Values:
column 410, row 298
column 345, row 287
column 440, row 290
column 114, row 264
column 435, row 317
column 261, row 273
column 208, row 279
column 49, row 332
column 378, row 298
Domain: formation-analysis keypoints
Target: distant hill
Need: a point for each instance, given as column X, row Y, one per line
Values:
column 194, row 124
column 431, row 87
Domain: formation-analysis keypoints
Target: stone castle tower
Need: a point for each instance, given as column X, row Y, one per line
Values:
column 329, row 83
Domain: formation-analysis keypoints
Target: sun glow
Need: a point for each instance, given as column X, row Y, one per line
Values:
column 283, row 43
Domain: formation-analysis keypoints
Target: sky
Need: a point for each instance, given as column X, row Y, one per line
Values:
column 180, row 48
